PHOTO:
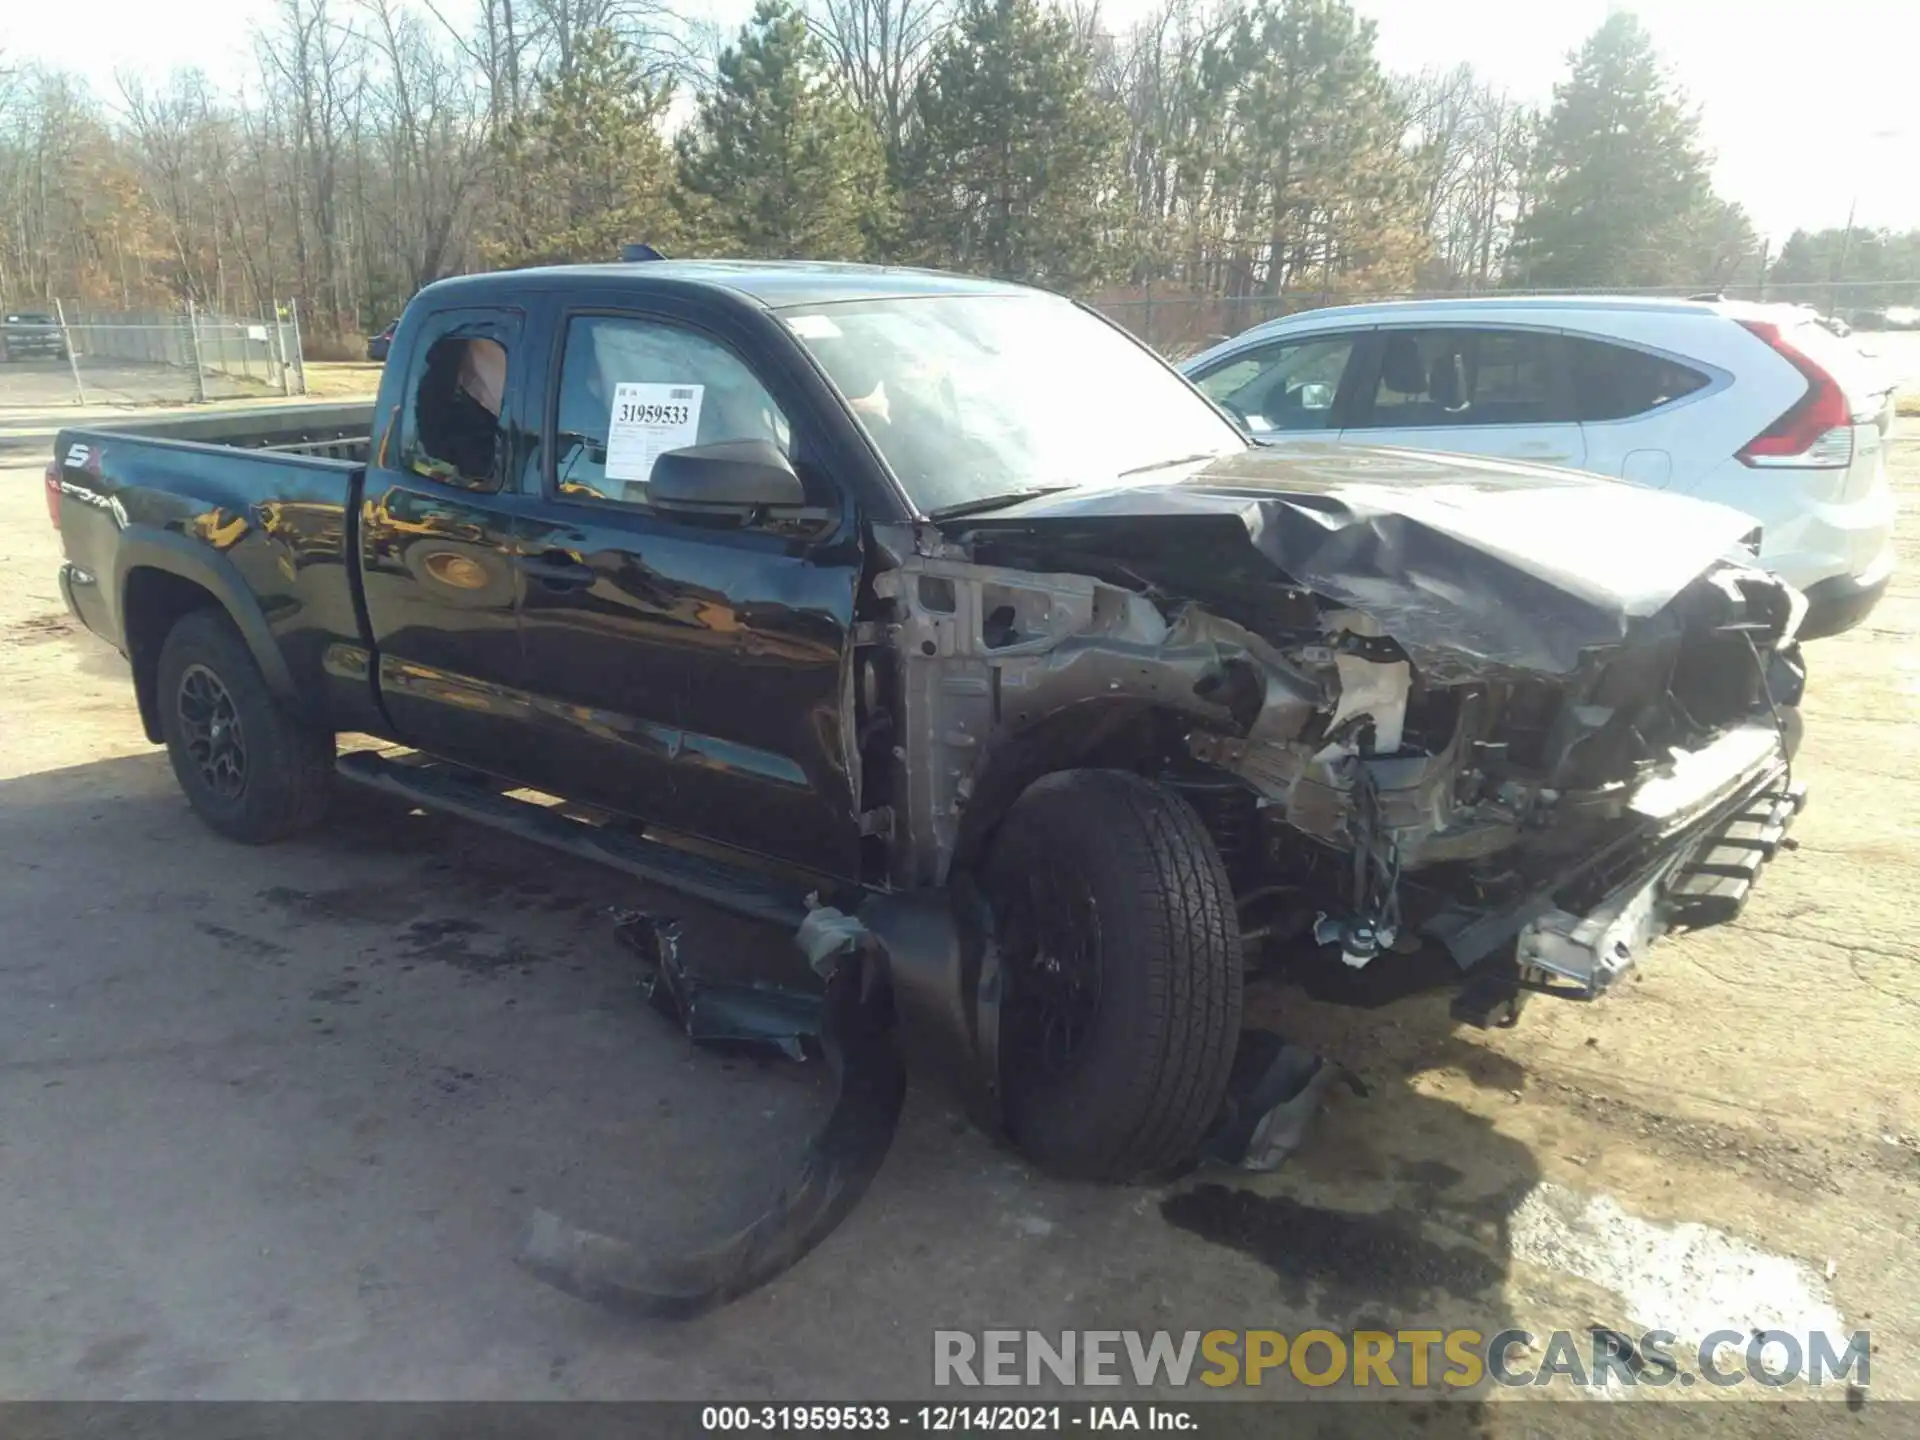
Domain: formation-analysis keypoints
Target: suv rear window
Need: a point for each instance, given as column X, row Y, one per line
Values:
column 1613, row 382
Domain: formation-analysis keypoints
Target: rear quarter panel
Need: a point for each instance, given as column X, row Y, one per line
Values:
column 267, row 534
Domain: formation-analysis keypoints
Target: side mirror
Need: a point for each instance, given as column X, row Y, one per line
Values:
column 1316, row 395
column 731, row 478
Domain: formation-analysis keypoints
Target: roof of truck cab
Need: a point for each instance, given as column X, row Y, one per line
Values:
column 776, row 284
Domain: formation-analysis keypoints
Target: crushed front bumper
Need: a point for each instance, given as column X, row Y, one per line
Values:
column 1708, row 852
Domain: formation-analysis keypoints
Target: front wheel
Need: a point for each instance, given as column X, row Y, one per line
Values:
column 251, row 770
column 1120, row 947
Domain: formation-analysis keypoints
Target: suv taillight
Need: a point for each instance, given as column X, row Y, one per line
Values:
column 53, row 492
column 1816, row 432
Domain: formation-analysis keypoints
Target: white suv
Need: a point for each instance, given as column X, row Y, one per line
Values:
column 1755, row 406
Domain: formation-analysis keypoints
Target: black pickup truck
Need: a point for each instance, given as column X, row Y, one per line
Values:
column 945, row 611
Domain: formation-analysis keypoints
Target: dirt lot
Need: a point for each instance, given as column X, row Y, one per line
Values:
column 34, row 385
column 270, row 1121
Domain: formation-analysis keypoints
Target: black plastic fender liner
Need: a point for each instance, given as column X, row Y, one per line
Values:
column 936, row 947
column 840, row 1162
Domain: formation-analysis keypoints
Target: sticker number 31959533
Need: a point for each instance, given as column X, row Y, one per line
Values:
column 668, row 415
column 647, row 421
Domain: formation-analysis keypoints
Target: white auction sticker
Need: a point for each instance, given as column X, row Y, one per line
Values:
column 649, row 420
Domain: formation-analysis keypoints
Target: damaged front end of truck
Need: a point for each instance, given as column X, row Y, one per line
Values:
column 1526, row 720
column 1416, row 700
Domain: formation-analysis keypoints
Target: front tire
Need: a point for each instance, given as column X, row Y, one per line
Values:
column 251, row 770
column 1121, row 951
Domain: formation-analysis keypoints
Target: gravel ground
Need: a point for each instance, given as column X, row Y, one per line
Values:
column 34, row 384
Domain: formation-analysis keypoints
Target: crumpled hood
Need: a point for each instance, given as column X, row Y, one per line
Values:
column 1521, row 565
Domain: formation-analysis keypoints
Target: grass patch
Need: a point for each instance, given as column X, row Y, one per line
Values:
column 342, row 380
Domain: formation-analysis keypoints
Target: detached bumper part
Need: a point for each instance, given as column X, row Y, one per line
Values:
column 1581, row 956
column 1594, row 950
column 1275, row 1090
column 854, row 1029
column 748, row 1016
column 1713, row 889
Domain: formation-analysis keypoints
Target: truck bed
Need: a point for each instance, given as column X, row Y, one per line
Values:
column 257, row 510
column 334, row 432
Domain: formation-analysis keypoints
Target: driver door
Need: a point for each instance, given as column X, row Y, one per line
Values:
column 688, row 670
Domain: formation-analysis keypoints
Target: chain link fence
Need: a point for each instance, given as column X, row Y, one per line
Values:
column 1179, row 322
column 66, row 354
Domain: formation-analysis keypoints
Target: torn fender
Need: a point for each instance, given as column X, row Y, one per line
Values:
column 839, row 1164
column 943, row 972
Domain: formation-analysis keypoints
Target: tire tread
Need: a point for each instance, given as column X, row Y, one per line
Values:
column 1177, row 935
column 289, row 762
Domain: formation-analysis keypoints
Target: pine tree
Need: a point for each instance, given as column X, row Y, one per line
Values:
column 1850, row 269
column 1014, row 167
column 585, row 169
column 780, row 162
column 1300, row 157
column 1624, row 196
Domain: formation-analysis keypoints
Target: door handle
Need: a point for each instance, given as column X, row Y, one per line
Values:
column 557, row 570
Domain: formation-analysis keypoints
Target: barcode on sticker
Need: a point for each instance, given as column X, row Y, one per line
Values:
column 679, row 394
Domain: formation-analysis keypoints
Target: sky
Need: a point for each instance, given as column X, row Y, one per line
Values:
column 1809, row 105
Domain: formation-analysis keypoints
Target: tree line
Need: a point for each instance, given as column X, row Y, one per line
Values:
column 1218, row 148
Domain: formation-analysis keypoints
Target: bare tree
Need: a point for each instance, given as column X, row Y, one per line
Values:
column 1153, row 71
column 668, row 47
column 878, row 47
column 1469, row 145
column 319, row 60
column 434, row 134
column 67, row 202
column 496, row 49
column 168, row 131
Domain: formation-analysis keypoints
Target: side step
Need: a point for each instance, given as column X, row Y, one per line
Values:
column 434, row 786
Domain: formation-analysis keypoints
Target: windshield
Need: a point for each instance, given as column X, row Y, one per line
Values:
column 971, row 397
column 29, row 320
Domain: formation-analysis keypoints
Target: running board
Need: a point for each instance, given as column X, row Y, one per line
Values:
column 445, row 788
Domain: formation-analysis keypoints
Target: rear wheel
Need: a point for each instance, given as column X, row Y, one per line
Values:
column 251, row 770
column 1120, row 949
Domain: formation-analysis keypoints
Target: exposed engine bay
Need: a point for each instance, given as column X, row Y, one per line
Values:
column 1393, row 727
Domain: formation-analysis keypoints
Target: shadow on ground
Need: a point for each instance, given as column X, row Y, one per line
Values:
column 273, row 1119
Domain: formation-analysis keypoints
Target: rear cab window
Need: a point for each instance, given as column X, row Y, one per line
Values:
column 632, row 388
column 453, row 425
